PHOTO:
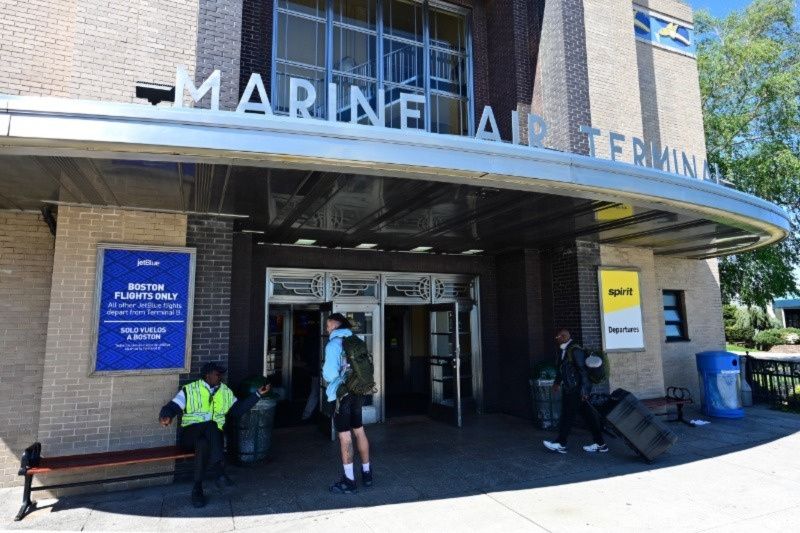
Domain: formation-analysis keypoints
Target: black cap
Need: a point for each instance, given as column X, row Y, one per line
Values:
column 212, row 367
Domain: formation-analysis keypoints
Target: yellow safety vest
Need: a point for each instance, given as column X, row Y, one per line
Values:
column 201, row 406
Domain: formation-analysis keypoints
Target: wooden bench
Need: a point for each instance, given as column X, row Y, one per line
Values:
column 677, row 396
column 32, row 464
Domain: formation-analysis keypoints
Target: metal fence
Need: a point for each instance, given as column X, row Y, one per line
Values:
column 775, row 382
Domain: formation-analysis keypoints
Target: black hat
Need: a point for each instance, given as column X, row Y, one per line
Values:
column 342, row 320
column 212, row 367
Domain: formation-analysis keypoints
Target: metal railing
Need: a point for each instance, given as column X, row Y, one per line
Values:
column 775, row 382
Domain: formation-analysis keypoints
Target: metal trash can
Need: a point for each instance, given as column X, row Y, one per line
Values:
column 721, row 381
column 546, row 403
column 253, row 432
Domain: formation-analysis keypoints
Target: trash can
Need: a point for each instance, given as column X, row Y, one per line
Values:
column 546, row 403
column 721, row 381
column 253, row 432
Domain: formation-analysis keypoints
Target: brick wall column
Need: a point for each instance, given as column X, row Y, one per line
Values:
column 521, row 332
column 219, row 46
column 26, row 268
column 514, row 28
column 561, row 87
column 572, row 290
column 82, row 413
column 213, row 239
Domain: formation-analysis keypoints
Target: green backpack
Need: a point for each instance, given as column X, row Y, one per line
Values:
column 360, row 376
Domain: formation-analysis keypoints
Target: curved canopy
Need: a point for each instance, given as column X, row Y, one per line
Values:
column 344, row 184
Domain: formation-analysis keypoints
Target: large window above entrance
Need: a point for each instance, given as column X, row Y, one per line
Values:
column 400, row 46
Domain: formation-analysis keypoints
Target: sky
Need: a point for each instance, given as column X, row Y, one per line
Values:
column 721, row 8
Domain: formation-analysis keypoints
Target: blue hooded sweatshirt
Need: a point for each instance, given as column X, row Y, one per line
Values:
column 335, row 365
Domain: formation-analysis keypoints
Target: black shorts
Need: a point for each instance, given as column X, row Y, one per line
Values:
column 349, row 415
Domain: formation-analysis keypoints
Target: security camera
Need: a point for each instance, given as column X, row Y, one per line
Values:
column 155, row 93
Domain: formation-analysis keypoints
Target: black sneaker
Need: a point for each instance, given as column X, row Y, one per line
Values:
column 344, row 486
column 366, row 478
column 198, row 498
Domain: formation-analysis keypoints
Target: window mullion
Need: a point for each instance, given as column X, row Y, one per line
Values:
column 379, row 46
column 329, row 58
column 426, row 62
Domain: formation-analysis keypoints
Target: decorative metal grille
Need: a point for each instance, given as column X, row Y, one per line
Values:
column 453, row 290
column 352, row 287
column 419, row 287
column 299, row 286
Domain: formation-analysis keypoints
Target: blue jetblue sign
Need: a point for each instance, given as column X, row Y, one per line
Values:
column 665, row 33
column 144, row 308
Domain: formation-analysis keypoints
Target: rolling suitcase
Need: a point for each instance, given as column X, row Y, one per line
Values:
column 630, row 420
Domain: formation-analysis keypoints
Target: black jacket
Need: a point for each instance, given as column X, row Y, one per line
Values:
column 571, row 370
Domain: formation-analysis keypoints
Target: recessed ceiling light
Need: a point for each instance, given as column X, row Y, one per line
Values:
column 471, row 252
column 421, row 249
column 366, row 246
column 305, row 242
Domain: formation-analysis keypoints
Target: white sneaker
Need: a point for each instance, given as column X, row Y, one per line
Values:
column 554, row 446
column 596, row 448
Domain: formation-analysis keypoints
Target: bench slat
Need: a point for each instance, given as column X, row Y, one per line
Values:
column 100, row 460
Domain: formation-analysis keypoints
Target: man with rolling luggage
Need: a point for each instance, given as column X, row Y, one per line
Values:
column 575, row 385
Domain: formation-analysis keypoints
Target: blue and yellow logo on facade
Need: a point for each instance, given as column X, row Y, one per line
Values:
column 662, row 32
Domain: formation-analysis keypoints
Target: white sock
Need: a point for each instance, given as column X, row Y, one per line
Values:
column 348, row 472
column 365, row 467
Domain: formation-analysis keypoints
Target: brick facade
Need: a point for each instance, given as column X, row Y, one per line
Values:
column 640, row 372
column 613, row 75
column 575, row 62
column 522, row 341
column 570, row 278
column 561, row 88
column 213, row 239
column 219, row 46
column 699, row 281
column 81, row 413
column 94, row 49
column 26, row 267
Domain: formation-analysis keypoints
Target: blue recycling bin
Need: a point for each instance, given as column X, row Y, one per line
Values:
column 721, row 379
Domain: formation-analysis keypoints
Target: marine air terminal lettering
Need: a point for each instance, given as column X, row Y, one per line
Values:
column 303, row 98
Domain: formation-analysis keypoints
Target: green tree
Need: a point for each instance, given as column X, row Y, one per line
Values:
column 749, row 65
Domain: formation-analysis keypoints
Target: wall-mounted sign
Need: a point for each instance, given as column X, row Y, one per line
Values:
column 665, row 33
column 621, row 309
column 143, row 309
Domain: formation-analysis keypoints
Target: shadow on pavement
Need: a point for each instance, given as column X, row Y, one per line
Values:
column 413, row 460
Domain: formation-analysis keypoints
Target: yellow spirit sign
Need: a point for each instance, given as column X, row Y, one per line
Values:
column 621, row 303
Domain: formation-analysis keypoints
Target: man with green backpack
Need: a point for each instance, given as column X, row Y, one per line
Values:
column 574, row 378
column 348, row 371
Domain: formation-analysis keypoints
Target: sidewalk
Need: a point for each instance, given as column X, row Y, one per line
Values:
column 492, row 475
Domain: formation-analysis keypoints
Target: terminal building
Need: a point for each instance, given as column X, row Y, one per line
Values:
column 204, row 180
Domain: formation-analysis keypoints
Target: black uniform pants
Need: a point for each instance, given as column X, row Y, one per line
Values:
column 207, row 442
column 571, row 403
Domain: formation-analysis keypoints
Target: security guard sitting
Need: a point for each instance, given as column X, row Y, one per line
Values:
column 205, row 403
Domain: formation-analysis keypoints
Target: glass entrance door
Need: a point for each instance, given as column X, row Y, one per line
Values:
column 445, row 363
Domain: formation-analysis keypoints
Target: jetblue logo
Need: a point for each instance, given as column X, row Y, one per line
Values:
column 147, row 263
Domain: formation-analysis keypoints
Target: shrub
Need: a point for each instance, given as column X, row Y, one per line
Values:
column 791, row 335
column 773, row 337
column 768, row 338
